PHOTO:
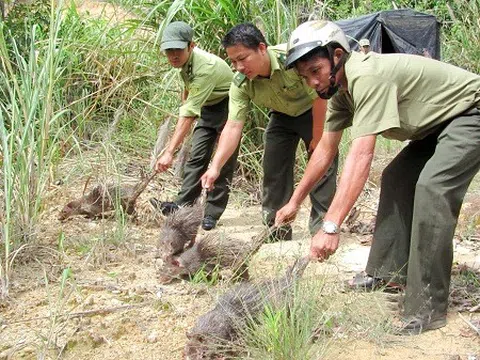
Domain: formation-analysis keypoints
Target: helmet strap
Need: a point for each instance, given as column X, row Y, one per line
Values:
column 333, row 88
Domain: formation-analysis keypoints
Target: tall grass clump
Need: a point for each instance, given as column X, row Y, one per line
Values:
column 311, row 322
column 30, row 132
column 462, row 35
column 289, row 330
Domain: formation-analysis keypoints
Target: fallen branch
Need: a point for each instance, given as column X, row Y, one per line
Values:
column 473, row 327
column 86, row 313
column 475, row 308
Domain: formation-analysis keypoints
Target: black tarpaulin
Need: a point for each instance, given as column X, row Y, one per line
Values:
column 395, row 31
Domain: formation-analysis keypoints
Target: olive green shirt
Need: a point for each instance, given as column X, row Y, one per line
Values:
column 284, row 91
column 207, row 79
column 400, row 96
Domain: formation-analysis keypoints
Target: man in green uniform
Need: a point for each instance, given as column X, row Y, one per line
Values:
column 263, row 79
column 206, row 80
column 398, row 96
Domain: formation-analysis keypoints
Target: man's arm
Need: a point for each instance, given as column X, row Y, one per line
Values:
column 183, row 127
column 184, row 95
column 354, row 176
column 319, row 110
column 227, row 144
column 317, row 166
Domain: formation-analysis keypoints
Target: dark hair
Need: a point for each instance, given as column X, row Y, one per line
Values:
column 245, row 34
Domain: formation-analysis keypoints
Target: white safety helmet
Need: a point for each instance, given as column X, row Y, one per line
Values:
column 313, row 34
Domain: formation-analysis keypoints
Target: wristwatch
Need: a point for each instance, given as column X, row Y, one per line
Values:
column 329, row 227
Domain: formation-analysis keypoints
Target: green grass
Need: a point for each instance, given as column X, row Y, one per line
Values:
column 30, row 132
column 287, row 330
column 310, row 323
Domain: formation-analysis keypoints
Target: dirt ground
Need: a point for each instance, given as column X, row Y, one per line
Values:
column 90, row 292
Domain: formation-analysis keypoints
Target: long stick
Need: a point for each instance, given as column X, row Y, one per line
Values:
column 473, row 327
column 103, row 311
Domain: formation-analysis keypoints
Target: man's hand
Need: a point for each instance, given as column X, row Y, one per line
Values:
column 164, row 162
column 286, row 214
column 313, row 144
column 323, row 245
column 208, row 179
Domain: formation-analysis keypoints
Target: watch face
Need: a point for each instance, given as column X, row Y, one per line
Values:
column 330, row 228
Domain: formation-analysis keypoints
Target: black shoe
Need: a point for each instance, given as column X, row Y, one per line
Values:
column 365, row 282
column 165, row 207
column 208, row 222
column 414, row 325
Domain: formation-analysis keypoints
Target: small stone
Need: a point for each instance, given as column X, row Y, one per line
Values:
column 92, row 225
column 90, row 300
column 152, row 337
column 116, row 302
column 159, row 293
column 132, row 276
column 97, row 339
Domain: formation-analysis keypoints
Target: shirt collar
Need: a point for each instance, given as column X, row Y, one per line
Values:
column 274, row 63
column 187, row 67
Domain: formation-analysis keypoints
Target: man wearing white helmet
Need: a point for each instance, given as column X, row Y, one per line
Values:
column 402, row 97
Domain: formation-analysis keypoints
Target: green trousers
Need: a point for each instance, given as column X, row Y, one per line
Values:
column 281, row 140
column 422, row 191
column 204, row 139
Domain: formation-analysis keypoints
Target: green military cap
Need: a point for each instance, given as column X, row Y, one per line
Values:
column 176, row 35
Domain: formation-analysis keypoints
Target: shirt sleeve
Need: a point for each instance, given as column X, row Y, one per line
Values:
column 199, row 90
column 375, row 106
column 239, row 103
column 339, row 114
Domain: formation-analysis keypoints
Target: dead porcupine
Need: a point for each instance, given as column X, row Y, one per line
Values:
column 211, row 252
column 214, row 330
column 179, row 230
column 102, row 199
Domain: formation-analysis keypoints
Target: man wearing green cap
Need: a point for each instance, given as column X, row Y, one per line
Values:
column 206, row 80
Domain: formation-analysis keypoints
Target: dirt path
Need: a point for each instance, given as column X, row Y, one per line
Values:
column 112, row 306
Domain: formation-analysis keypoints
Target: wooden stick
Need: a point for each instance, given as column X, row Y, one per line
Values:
column 470, row 324
column 474, row 308
column 103, row 311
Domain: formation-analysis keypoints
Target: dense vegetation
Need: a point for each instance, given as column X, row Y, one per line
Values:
column 68, row 82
